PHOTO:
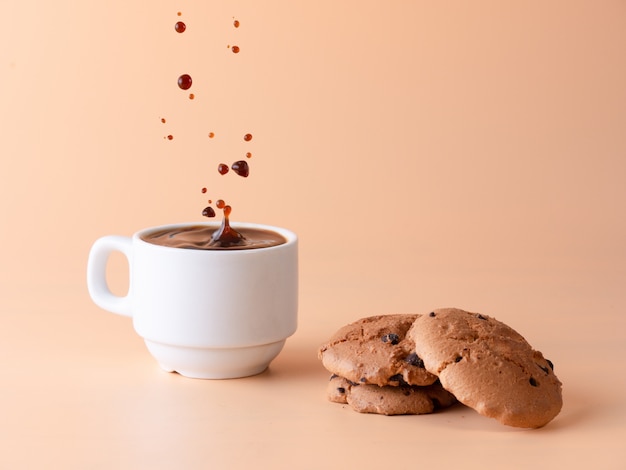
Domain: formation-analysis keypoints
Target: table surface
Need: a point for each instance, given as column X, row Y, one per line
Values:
column 80, row 390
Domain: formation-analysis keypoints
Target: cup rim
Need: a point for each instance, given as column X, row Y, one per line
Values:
column 289, row 235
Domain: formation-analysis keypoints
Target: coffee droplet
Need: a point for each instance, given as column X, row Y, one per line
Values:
column 247, row 137
column 211, row 135
column 222, row 168
column 191, row 96
column 236, row 23
column 235, row 49
column 170, row 137
column 179, row 13
column 220, row 204
column 184, row 82
column 241, row 168
column 248, row 155
column 163, row 120
column 203, row 190
column 208, row 212
column 180, row 27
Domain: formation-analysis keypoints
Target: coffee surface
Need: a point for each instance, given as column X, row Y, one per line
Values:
column 201, row 237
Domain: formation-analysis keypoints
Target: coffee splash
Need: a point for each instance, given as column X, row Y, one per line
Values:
column 226, row 236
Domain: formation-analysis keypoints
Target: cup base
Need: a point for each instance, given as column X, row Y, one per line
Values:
column 214, row 363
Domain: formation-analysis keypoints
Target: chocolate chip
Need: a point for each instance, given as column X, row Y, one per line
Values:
column 458, row 359
column 414, row 360
column 362, row 380
column 390, row 338
column 480, row 317
column 533, row 382
column 431, row 314
column 399, row 379
column 341, row 390
column 545, row 369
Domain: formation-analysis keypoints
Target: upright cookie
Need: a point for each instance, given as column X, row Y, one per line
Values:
column 488, row 366
column 389, row 400
column 375, row 350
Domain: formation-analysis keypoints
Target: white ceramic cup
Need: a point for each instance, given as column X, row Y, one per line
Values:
column 212, row 314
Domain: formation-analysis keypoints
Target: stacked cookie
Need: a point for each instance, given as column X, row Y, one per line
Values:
column 415, row 364
column 376, row 370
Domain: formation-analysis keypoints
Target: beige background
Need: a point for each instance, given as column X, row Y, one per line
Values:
column 428, row 154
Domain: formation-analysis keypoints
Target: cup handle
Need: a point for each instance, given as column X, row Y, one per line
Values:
column 96, row 274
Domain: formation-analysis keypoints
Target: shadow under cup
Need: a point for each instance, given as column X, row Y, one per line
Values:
column 212, row 314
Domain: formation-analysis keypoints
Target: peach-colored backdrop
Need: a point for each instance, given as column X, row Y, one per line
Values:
column 428, row 154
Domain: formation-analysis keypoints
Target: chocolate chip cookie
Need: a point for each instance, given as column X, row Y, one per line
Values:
column 488, row 366
column 376, row 351
column 389, row 400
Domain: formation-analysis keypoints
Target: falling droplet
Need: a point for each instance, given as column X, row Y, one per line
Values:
column 241, row 168
column 208, row 212
column 184, row 82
